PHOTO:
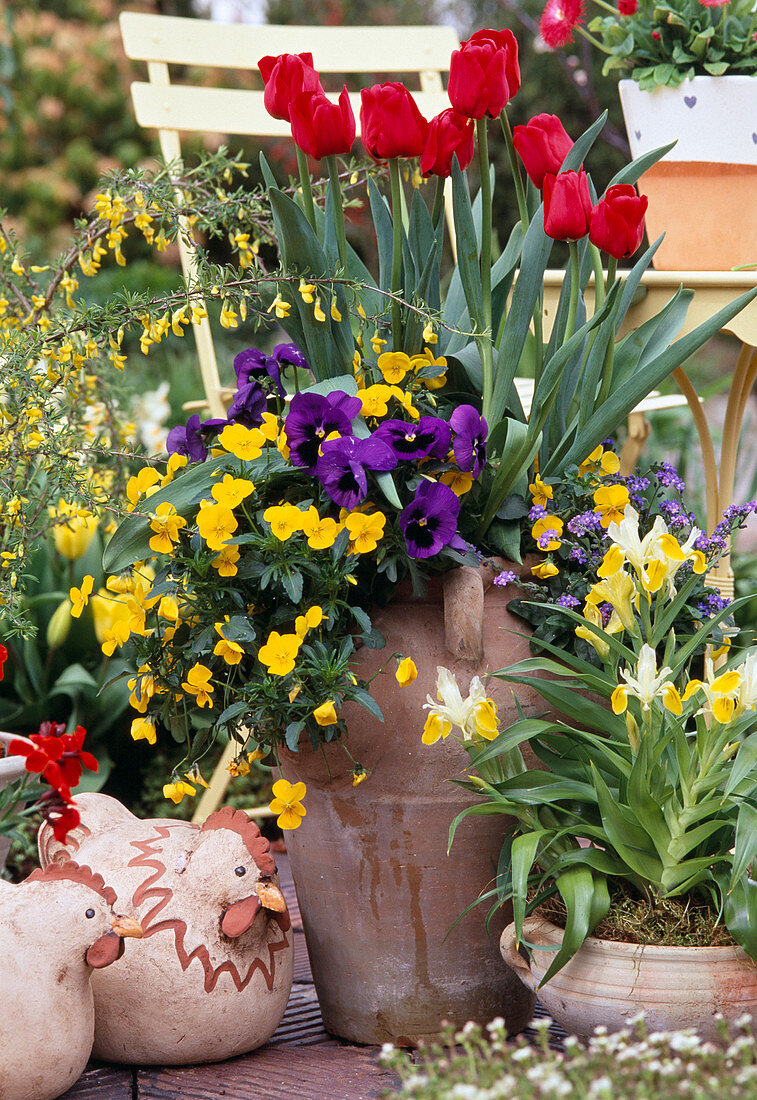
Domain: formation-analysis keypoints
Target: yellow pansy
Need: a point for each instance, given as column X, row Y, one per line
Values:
column 610, row 503
column 284, row 519
column 406, row 672
column 216, row 524
column 176, row 791
column 548, row 529
column 325, row 714
column 287, row 803
column 197, row 683
column 232, row 490
column 231, row 652
column 312, row 618
column 365, row 531
column 321, row 532
column 375, row 400
column 80, row 596
column 279, row 653
column 226, row 561
column 244, row 443
column 142, row 729
column 544, row 570
column 541, row 493
column 394, row 365
column 139, row 485
column 458, row 481
column 165, row 522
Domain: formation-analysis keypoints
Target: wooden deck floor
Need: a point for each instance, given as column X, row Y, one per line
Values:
column 301, row 1061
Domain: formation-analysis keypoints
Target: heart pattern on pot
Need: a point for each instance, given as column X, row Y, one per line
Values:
column 638, row 135
column 690, row 100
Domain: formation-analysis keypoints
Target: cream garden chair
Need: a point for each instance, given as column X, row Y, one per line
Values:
column 172, row 108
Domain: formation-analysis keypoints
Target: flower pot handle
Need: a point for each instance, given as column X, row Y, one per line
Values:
column 513, row 958
column 464, row 614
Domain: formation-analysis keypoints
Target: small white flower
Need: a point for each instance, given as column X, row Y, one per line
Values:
column 682, row 1041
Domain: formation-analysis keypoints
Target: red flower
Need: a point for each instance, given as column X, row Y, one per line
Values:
column 542, row 145
column 567, row 206
column 390, row 122
column 3, row 659
column 628, row 7
column 484, row 74
column 616, row 224
column 558, row 21
column 449, row 133
column 56, row 756
column 286, row 76
column 62, row 815
column 713, row 3
column 322, row 128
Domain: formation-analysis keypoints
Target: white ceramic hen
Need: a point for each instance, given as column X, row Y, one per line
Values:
column 56, row 928
column 213, row 977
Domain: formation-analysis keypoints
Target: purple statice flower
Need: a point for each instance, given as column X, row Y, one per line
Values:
column 505, row 577
column 566, row 600
column 666, row 474
column 584, row 522
column 248, row 405
column 314, row 416
column 429, row 521
column 469, row 445
column 538, row 511
column 428, row 437
column 343, row 466
column 187, row 440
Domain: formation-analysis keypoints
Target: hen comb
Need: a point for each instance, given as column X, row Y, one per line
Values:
column 237, row 821
column 74, row 872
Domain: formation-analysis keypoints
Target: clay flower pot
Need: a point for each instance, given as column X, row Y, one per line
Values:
column 703, row 194
column 379, row 894
column 11, row 769
column 607, row 982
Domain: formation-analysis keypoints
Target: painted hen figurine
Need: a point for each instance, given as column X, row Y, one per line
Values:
column 213, row 977
column 57, row 928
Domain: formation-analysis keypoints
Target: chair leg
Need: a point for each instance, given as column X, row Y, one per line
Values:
column 638, row 434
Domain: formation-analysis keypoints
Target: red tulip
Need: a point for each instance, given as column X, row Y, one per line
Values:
column 542, row 145
column 449, row 133
column 617, row 221
column 286, row 76
column 390, row 122
column 322, row 128
column 484, row 74
column 567, row 205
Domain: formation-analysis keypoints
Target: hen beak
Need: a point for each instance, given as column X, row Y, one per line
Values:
column 125, row 926
column 271, row 897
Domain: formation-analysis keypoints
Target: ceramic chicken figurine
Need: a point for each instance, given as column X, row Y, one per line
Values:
column 56, row 929
column 215, row 969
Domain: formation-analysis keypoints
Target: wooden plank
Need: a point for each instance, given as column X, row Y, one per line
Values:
column 239, row 45
column 231, row 110
column 329, row 1071
column 100, row 1082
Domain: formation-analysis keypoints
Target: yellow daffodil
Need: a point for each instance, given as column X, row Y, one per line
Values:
column 406, row 672
column 284, row 519
column 143, row 729
column 232, row 491
column 610, row 502
column 166, row 523
column 176, row 791
column 647, row 685
column 279, row 653
column 216, row 524
column 548, row 529
column 325, row 714
column 287, row 803
column 244, row 443
column 197, row 683
column 80, row 596
column 365, row 531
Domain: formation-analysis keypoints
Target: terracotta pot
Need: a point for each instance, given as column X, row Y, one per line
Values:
column 378, row 892
column 607, row 982
column 11, row 769
column 703, row 194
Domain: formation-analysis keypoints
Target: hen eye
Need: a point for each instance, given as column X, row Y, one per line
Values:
column 240, row 871
column 89, row 914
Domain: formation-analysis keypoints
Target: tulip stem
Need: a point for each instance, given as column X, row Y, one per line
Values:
column 336, row 201
column 396, row 284
column 570, row 324
column 307, row 190
column 599, row 278
column 512, row 157
column 484, row 339
column 438, row 200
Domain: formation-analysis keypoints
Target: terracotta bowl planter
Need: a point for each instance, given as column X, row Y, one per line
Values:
column 11, row 769
column 608, row 982
column 703, row 194
column 379, row 894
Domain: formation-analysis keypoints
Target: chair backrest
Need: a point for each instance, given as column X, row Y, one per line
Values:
column 171, row 108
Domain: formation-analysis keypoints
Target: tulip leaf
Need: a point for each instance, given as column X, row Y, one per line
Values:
column 382, row 221
column 467, row 244
column 577, row 153
column 630, row 173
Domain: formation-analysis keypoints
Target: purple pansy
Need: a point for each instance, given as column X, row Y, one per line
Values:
column 187, row 440
column 428, row 437
column 311, row 418
column 469, row 445
column 252, row 363
column 344, row 463
column 429, row 521
column 248, row 405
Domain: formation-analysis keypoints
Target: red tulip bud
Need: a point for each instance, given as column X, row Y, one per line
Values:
column 391, row 124
column 286, row 76
column 542, row 145
column 449, row 134
column 617, row 221
column 484, row 74
column 567, row 205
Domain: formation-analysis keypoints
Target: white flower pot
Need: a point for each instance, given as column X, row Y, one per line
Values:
column 607, row 982
column 703, row 194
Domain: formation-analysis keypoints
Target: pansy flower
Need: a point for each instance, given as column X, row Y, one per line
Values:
column 469, row 445
column 312, row 418
column 248, row 405
column 429, row 521
column 428, row 437
column 343, row 467
column 187, row 440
